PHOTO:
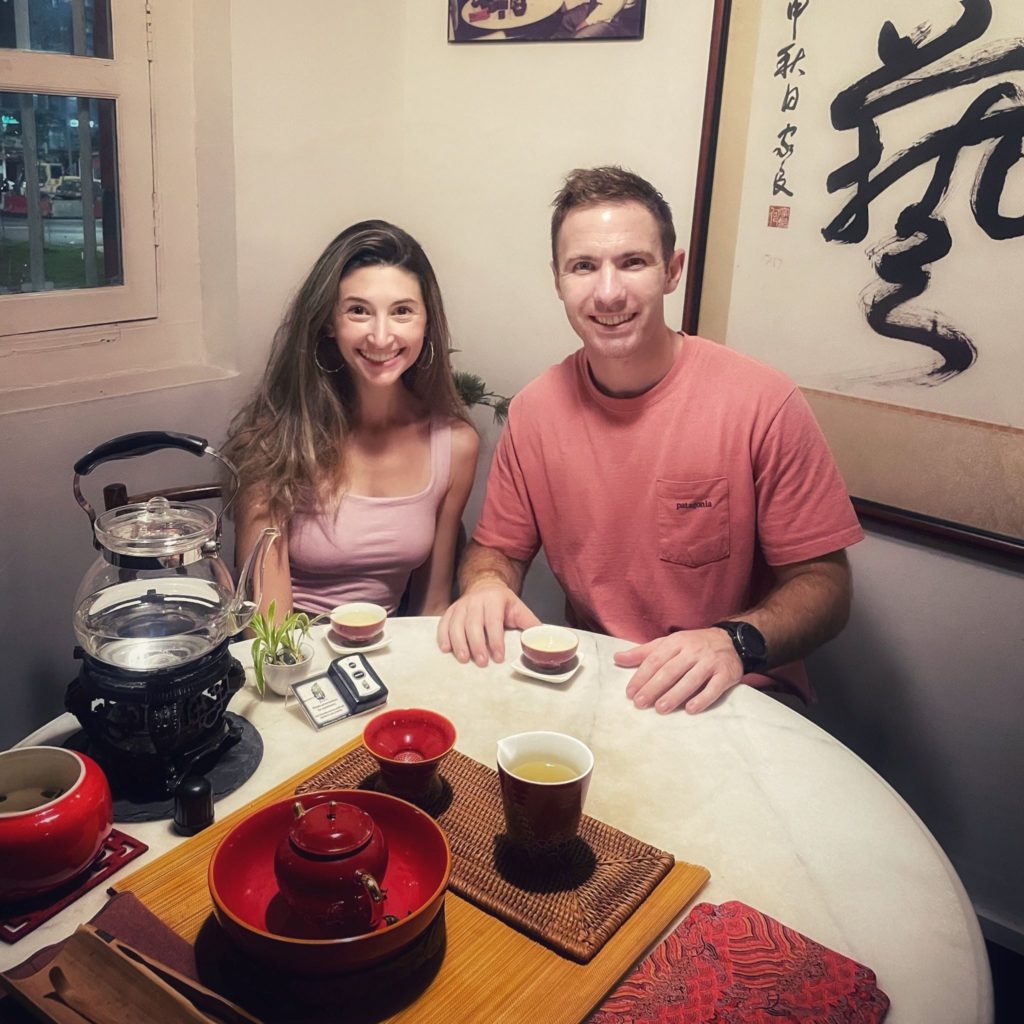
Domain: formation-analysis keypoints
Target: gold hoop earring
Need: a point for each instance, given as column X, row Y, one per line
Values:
column 428, row 343
column 320, row 366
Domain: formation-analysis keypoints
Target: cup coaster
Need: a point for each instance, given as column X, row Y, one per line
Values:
column 563, row 676
column 343, row 648
column 431, row 794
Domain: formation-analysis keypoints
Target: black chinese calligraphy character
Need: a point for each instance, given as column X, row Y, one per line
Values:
column 785, row 148
column 786, row 62
column 793, row 11
column 791, row 99
column 779, row 184
column 993, row 121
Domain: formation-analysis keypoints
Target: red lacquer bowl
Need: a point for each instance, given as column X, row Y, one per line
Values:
column 408, row 745
column 55, row 813
column 256, row 917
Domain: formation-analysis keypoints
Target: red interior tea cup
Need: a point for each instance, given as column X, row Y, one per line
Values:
column 408, row 745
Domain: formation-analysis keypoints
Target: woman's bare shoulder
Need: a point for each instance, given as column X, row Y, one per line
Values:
column 465, row 440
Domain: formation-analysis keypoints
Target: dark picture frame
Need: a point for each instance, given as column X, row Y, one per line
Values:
column 881, row 492
column 509, row 21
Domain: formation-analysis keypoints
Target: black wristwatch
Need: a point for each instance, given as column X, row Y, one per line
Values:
column 749, row 644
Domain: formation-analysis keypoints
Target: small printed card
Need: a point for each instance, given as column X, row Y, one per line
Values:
column 335, row 696
column 322, row 701
column 731, row 964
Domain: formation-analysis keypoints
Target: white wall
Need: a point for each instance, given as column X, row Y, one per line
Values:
column 463, row 145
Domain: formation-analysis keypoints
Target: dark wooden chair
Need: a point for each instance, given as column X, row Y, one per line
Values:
column 116, row 495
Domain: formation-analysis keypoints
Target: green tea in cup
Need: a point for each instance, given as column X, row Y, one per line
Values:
column 544, row 778
column 543, row 770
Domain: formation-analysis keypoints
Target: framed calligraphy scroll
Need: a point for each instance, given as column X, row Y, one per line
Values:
column 864, row 232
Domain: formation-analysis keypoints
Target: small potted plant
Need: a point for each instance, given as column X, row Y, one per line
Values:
column 473, row 390
column 281, row 652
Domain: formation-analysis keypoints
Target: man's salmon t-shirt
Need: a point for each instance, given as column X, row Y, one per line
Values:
column 665, row 511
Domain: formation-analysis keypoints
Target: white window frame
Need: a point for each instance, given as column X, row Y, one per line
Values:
column 126, row 80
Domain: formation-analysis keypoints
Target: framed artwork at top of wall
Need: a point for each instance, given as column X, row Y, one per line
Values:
column 473, row 21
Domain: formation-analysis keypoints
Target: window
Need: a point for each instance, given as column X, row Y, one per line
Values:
column 77, row 226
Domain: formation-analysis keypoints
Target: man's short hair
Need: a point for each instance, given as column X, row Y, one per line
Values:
column 587, row 186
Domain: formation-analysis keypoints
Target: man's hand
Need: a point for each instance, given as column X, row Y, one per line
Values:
column 474, row 626
column 692, row 667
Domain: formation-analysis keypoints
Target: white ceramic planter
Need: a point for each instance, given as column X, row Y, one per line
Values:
column 279, row 678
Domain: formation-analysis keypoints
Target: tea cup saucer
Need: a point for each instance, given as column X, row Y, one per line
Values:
column 520, row 666
column 340, row 647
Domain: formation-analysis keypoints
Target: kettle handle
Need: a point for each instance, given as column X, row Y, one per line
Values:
column 143, row 442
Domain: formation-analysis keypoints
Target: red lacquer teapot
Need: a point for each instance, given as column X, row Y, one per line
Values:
column 329, row 867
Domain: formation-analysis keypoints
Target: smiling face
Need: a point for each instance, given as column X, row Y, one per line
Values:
column 379, row 323
column 612, row 278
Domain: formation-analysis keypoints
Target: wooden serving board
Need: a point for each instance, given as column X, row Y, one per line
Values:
column 490, row 972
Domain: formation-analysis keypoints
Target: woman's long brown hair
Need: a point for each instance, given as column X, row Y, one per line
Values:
column 288, row 440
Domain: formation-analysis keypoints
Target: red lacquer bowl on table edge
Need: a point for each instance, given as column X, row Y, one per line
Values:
column 255, row 916
column 47, row 845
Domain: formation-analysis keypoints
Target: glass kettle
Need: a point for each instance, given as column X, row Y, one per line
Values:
column 159, row 595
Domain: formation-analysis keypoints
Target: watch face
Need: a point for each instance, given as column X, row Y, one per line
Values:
column 752, row 641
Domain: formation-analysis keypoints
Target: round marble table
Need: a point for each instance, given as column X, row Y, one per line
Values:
column 785, row 818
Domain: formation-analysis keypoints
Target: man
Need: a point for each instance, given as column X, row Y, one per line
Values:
column 682, row 491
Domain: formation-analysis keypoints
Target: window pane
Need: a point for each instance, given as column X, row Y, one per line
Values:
column 79, row 27
column 59, row 211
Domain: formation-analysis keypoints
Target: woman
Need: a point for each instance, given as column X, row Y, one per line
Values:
column 356, row 445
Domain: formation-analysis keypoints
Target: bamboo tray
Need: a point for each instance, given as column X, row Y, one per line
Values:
column 490, row 971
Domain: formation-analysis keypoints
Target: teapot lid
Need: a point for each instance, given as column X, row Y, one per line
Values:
column 332, row 829
column 156, row 528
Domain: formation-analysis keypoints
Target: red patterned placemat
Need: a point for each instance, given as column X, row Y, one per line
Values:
column 574, row 905
column 20, row 919
column 731, row 964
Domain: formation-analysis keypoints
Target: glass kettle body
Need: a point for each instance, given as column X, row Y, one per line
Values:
column 159, row 595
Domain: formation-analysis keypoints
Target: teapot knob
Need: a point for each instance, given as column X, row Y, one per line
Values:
column 369, row 883
column 298, row 809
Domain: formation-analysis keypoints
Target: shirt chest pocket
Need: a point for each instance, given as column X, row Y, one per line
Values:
column 693, row 520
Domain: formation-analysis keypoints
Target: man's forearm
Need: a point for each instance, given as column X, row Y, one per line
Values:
column 808, row 606
column 481, row 563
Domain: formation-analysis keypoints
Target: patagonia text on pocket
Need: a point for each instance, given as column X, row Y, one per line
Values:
column 693, row 520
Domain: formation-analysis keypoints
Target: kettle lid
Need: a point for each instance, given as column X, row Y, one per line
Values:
column 332, row 829
column 157, row 527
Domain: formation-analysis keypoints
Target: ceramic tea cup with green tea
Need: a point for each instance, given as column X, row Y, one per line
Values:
column 544, row 779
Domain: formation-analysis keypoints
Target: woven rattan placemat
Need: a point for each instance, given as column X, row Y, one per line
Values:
column 573, row 905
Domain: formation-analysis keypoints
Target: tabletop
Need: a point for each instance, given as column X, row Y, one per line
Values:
column 785, row 817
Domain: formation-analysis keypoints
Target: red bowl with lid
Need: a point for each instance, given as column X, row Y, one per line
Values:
column 55, row 813
column 258, row 919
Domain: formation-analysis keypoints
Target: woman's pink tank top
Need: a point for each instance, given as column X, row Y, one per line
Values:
column 369, row 547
